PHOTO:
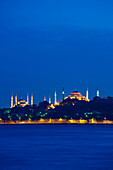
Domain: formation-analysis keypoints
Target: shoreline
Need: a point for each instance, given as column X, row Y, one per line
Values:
column 57, row 121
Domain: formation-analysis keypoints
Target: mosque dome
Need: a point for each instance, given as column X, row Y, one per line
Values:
column 21, row 100
column 22, row 103
column 76, row 95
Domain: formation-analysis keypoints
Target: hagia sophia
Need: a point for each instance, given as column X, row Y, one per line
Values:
column 74, row 95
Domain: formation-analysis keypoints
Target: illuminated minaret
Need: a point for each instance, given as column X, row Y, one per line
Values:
column 55, row 97
column 16, row 99
column 63, row 94
column 49, row 100
column 27, row 98
column 44, row 98
column 12, row 101
column 87, row 94
column 31, row 99
column 97, row 92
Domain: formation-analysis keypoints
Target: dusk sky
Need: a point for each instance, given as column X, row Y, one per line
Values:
column 48, row 45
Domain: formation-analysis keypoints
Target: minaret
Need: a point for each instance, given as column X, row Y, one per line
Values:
column 63, row 94
column 49, row 100
column 27, row 98
column 31, row 99
column 16, row 99
column 12, row 101
column 97, row 92
column 44, row 98
column 55, row 97
column 87, row 94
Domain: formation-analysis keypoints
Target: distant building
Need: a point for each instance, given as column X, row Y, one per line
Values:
column 77, row 95
column 21, row 102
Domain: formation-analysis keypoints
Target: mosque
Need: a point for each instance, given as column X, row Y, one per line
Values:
column 21, row 102
column 77, row 95
column 74, row 95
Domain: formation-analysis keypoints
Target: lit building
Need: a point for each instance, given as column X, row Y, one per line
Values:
column 22, row 103
column 77, row 95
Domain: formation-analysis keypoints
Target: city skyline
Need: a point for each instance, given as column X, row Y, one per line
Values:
column 59, row 94
column 29, row 100
column 54, row 44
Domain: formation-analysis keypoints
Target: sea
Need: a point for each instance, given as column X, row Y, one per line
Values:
column 56, row 147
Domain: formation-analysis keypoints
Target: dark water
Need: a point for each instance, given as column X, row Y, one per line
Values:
column 56, row 147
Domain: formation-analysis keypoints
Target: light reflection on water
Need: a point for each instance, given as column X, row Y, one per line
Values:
column 56, row 147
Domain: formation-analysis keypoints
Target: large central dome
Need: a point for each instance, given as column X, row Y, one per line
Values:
column 76, row 95
column 22, row 103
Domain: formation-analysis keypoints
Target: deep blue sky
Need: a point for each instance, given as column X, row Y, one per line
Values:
column 53, row 44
